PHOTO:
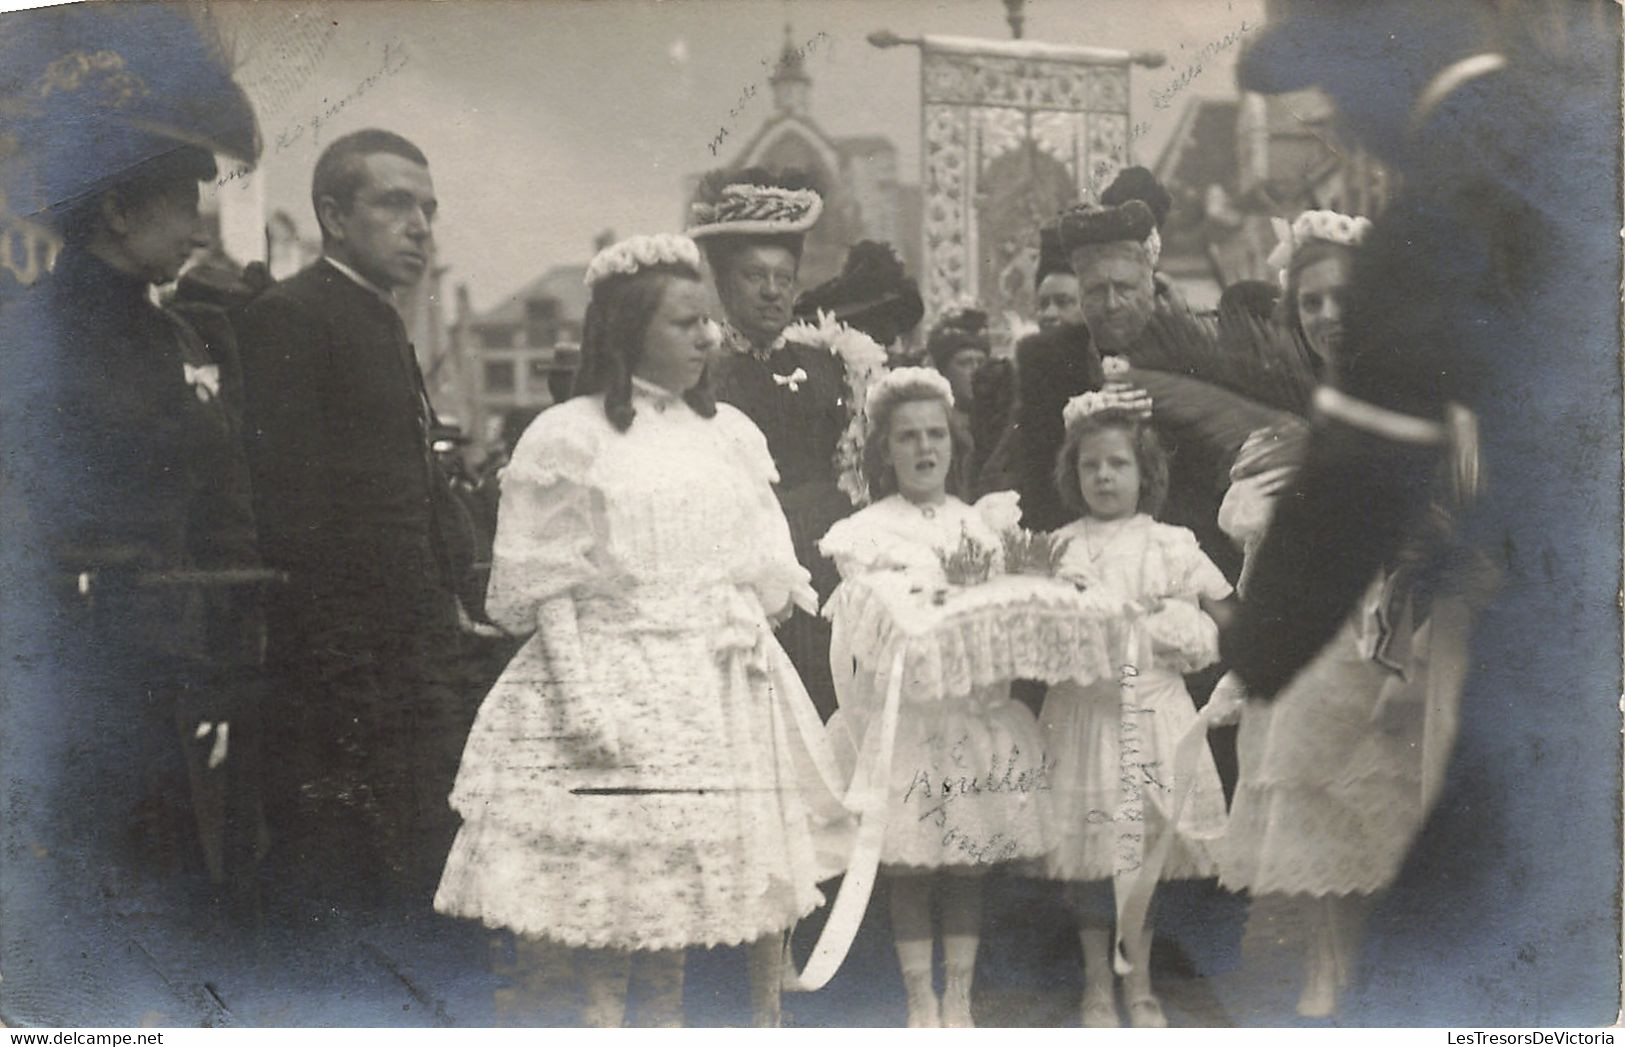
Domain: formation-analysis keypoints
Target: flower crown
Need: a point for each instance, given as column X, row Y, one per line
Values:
column 1330, row 226
column 1124, row 400
column 760, row 209
column 639, row 252
column 901, row 381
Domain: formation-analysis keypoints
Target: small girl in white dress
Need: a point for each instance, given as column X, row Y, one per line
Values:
column 1112, row 471
column 951, row 815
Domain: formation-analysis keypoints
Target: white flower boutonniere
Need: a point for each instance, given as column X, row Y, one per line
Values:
column 205, row 380
column 792, row 381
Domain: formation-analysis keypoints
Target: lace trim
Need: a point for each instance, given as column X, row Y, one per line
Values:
column 1009, row 628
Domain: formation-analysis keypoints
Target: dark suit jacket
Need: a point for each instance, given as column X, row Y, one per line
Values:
column 1050, row 369
column 345, row 483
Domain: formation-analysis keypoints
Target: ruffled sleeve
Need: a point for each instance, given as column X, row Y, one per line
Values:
column 1190, row 573
column 771, row 569
column 863, row 542
column 1184, row 638
column 550, row 526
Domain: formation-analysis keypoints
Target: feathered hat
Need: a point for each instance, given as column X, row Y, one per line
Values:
column 90, row 92
column 872, row 294
column 754, row 202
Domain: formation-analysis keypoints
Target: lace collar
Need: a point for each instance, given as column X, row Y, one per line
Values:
column 657, row 396
column 734, row 341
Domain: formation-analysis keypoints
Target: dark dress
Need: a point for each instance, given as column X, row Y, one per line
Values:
column 125, row 480
column 802, row 426
column 352, row 507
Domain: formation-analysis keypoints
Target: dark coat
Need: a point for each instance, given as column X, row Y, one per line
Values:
column 1051, row 368
column 348, row 495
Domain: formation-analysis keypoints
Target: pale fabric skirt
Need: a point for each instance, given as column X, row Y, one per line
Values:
column 1080, row 726
column 1329, row 795
column 969, row 785
column 698, row 836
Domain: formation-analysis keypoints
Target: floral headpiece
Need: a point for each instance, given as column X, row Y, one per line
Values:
column 1330, row 226
column 639, row 252
column 755, row 209
column 863, row 361
column 1121, row 399
column 900, row 381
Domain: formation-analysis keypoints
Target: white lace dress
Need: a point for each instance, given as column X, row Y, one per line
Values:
column 961, row 767
column 645, row 774
column 1329, row 792
column 1136, row 559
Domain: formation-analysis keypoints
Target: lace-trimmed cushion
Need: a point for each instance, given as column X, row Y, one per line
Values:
column 1009, row 628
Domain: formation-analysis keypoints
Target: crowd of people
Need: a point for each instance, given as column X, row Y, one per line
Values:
column 250, row 640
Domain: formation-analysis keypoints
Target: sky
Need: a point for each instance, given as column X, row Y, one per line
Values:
column 549, row 121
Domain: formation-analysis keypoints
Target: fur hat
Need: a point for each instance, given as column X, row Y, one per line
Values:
column 1088, row 224
column 1137, row 183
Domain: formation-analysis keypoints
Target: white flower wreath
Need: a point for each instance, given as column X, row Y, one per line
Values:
column 864, row 360
column 1330, row 226
column 637, row 252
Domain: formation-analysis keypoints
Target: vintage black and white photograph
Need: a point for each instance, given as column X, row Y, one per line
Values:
column 810, row 513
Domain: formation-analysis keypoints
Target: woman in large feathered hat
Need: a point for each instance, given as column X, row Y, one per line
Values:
column 751, row 225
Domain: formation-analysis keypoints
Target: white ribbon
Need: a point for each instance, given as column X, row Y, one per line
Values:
column 867, row 799
column 792, row 380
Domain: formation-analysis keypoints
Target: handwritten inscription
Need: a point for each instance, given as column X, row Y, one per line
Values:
column 936, row 792
column 1164, row 97
column 395, row 58
column 748, row 92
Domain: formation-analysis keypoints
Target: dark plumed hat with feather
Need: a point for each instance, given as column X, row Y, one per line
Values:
column 872, row 294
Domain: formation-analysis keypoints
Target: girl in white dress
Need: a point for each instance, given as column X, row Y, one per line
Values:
column 1329, row 794
column 1112, row 471
column 630, row 787
column 953, row 810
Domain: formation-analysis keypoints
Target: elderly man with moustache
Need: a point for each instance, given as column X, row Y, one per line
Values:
column 353, row 507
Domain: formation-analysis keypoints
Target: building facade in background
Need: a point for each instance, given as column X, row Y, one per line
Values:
column 864, row 199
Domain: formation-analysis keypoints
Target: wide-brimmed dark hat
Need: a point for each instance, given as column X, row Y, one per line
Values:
column 90, row 91
column 872, row 294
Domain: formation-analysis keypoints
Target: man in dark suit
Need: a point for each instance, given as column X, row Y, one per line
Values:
column 351, row 501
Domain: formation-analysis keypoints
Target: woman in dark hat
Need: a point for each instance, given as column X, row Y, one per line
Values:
column 751, row 225
column 125, row 485
column 872, row 294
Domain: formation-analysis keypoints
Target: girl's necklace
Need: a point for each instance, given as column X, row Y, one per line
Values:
column 1097, row 539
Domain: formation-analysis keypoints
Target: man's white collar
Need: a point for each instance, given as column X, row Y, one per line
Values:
column 358, row 278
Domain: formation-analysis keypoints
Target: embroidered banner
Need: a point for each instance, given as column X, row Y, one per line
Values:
column 1012, row 132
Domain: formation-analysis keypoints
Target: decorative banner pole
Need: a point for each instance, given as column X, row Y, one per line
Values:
column 1011, row 133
